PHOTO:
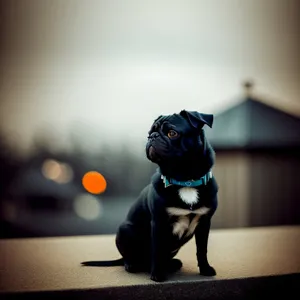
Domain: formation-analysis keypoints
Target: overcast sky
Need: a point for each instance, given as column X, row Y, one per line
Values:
column 106, row 69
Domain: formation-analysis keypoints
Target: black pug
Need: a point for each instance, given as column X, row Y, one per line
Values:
column 177, row 204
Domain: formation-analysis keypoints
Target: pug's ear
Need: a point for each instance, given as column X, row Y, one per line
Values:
column 196, row 119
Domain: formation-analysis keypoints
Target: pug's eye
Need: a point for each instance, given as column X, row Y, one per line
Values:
column 172, row 134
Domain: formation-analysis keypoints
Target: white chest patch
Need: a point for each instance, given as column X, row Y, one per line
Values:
column 188, row 195
column 184, row 225
column 175, row 211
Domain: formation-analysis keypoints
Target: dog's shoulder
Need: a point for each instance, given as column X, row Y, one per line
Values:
column 211, row 189
column 158, row 195
column 157, row 183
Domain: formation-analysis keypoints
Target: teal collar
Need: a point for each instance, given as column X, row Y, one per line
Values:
column 190, row 183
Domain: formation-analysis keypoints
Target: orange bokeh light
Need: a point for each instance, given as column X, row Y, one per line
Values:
column 94, row 182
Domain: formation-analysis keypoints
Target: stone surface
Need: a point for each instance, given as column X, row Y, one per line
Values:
column 53, row 264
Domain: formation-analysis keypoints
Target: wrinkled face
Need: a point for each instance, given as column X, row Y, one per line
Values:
column 172, row 137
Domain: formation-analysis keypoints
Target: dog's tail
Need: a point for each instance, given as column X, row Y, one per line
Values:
column 104, row 263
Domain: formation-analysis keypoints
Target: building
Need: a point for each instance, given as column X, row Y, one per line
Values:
column 257, row 165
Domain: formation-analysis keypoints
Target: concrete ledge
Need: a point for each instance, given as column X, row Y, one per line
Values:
column 249, row 262
column 280, row 286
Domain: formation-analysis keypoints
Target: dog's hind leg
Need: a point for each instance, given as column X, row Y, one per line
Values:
column 133, row 249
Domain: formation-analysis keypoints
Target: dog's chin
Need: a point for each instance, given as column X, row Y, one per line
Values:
column 153, row 154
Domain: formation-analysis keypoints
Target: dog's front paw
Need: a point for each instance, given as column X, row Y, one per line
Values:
column 158, row 277
column 207, row 271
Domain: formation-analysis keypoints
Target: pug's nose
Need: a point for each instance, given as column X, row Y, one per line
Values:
column 153, row 135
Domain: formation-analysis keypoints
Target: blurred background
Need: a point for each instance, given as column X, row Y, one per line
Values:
column 82, row 81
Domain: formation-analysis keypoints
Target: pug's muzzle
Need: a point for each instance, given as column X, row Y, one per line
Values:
column 157, row 147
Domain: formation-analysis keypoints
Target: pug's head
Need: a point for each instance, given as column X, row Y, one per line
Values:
column 178, row 145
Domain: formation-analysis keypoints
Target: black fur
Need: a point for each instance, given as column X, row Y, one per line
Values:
column 145, row 239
